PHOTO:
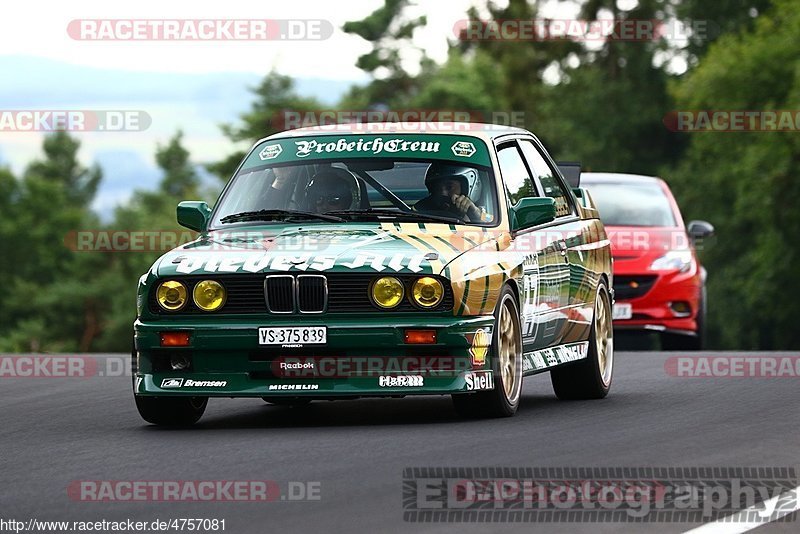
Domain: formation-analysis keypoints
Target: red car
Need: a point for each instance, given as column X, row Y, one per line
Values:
column 659, row 283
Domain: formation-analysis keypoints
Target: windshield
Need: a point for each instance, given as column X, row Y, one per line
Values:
column 631, row 204
column 342, row 190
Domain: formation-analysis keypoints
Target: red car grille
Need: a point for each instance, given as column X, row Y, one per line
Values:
column 631, row 287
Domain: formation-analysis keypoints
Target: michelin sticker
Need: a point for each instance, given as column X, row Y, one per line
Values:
column 375, row 146
column 463, row 149
column 270, row 152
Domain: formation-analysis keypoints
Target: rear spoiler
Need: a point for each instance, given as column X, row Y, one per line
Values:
column 571, row 171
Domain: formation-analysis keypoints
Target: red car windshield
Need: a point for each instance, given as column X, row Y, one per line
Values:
column 631, row 204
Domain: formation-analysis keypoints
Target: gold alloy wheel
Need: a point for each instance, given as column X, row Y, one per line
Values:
column 604, row 336
column 509, row 351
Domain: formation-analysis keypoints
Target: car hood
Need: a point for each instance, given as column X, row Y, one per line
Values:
column 640, row 242
column 350, row 247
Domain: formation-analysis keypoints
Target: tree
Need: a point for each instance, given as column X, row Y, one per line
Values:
column 607, row 106
column 180, row 178
column 746, row 183
column 719, row 18
column 275, row 96
column 390, row 33
column 61, row 166
column 151, row 211
column 50, row 299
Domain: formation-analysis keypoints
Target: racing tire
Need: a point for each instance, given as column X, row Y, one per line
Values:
column 591, row 377
column 506, row 354
column 166, row 411
column 171, row 411
column 294, row 402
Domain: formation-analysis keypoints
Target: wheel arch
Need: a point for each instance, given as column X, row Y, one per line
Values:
column 512, row 283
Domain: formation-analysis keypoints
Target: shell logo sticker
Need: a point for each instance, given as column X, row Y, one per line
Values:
column 270, row 152
column 463, row 149
column 479, row 348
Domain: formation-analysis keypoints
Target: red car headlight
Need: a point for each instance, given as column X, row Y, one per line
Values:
column 674, row 260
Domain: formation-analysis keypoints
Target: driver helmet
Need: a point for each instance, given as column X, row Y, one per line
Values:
column 467, row 176
column 331, row 189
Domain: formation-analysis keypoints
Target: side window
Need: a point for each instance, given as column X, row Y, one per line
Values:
column 515, row 174
column 551, row 186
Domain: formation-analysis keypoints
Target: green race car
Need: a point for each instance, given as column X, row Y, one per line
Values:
column 347, row 263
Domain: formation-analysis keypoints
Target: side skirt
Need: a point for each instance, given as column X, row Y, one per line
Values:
column 537, row 361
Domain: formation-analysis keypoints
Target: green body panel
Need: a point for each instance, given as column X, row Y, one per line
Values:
column 553, row 268
column 221, row 349
column 322, row 247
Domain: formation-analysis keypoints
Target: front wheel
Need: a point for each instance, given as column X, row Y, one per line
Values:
column 171, row 411
column 590, row 378
column 503, row 400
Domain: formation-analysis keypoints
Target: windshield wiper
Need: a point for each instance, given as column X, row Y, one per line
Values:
column 268, row 215
column 379, row 212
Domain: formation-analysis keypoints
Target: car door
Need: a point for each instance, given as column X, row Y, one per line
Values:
column 570, row 232
column 544, row 269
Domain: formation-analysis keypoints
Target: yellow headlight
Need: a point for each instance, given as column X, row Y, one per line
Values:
column 387, row 292
column 209, row 295
column 427, row 292
column 171, row 295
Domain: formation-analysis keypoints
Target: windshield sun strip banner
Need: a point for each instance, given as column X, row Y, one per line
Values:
column 464, row 149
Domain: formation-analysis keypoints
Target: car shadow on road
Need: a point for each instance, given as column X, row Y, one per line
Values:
column 417, row 411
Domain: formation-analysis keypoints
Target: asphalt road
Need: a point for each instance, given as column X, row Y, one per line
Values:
column 54, row 432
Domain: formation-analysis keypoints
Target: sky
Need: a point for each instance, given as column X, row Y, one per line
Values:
column 192, row 86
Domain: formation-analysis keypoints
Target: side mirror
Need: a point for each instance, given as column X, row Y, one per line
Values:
column 532, row 212
column 700, row 229
column 194, row 214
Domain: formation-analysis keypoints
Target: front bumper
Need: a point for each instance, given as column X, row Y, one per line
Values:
column 362, row 357
column 652, row 310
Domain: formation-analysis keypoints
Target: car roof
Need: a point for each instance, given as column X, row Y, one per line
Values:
column 618, row 177
column 485, row 131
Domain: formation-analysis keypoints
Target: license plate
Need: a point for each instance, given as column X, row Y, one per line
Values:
column 293, row 335
column 622, row 311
